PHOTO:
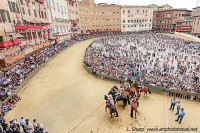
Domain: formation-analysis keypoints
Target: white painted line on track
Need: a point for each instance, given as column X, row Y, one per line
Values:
column 167, row 121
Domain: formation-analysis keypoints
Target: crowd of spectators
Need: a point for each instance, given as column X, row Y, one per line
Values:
column 24, row 125
column 12, row 78
column 16, row 52
column 149, row 58
column 133, row 56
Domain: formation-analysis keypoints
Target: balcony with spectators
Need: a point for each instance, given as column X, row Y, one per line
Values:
column 184, row 26
column 41, row 1
column 10, row 43
column 11, row 57
column 31, row 27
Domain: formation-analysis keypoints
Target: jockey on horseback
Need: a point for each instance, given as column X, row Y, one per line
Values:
column 116, row 90
column 127, row 86
column 138, row 86
column 121, row 90
column 114, row 93
column 136, row 99
column 111, row 107
column 108, row 102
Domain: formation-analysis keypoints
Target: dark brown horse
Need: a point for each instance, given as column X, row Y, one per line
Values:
column 134, row 106
column 112, row 108
column 124, row 97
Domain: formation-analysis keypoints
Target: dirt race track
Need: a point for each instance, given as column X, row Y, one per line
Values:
column 64, row 97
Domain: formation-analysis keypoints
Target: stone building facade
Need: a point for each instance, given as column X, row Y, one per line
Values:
column 99, row 18
column 73, row 10
column 196, row 21
column 58, row 10
column 166, row 20
column 136, row 18
column 25, row 27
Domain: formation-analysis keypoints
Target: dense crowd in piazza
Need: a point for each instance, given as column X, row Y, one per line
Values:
column 12, row 78
column 149, row 58
column 114, row 55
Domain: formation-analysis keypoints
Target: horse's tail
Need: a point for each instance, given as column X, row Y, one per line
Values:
column 131, row 112
column 116, row 99
column 129, row 102
column 149, row 91
column 105, row 97
column 116, row 112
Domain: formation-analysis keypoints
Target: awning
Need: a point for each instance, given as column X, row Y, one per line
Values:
column 47, row 22
column 36, row 21
column 18, row 35
column 28, row 20
column 166, row 28
column 43, row 21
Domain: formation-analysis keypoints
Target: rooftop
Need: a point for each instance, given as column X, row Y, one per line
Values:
column 173, row 9
column 131, row 6
column 196, row 7
column 105, row 4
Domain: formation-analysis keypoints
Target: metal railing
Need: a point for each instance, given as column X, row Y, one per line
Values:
column 155, row 89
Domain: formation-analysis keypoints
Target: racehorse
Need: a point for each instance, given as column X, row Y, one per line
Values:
column 112, row 109
column 134, row 106
column 131, row 92
column 113, row 93
column 116, row 98
column 124, row 99
column 141, row 89
column 145, row 90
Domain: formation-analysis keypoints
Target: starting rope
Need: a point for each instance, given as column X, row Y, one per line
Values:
column 88, row 117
